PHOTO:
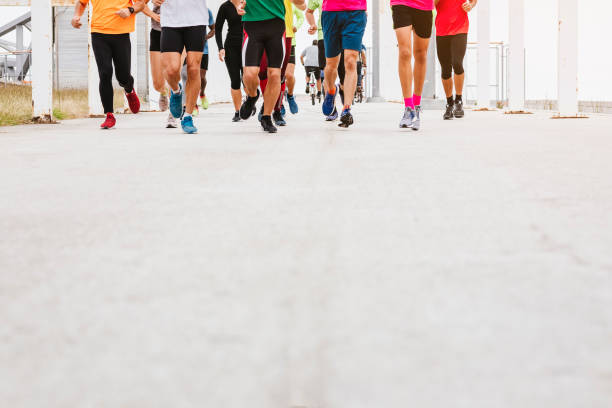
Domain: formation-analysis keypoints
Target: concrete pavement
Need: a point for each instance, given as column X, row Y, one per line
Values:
column 466, row 265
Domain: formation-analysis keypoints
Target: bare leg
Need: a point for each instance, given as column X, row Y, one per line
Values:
column 272, row 90
column 237, row 98
column 192, row 88
column 202, row 82
column 404, row 40
column 448, row 86
column 319, row 85
column 420, row 63
column 350, row 79
column 290, row 78
column 459, row 79
column 251, row 81
column 171, row 63
column 157, row 73
column 331, row 72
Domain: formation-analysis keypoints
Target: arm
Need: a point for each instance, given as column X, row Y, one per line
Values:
column 211, row 33
column 219, row 23
column 301, row 4
column 469, row 5
column 138, row 6
column 311, row 22
column 436, row 2
column 299, row 16
column 302, row 56
column 79, row 9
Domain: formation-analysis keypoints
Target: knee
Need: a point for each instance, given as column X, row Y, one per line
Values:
column 405, row 54
column 447, row 72
column 172, row 70
column 274, row 75
column 250, row 76
column 421, row 56
column 106, row 75
column 193, row 72
column 289, row 76
column 350, row 63
column 458, row 67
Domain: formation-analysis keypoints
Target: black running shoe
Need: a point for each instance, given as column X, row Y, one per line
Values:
column 236, row 117
column 346, row 119
column 248, row 106
column 458, row 110
column 266, row 124
column 448, row 114
column 278, row 119
column 307, row 89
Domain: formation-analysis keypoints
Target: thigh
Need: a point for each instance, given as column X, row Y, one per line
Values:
column 404, row 38
column 171, row 40
column 155, row 41
column 276, row 45
column 354, row 26
column 122, row 53
column 102, row 52
column 193, row 38
column 443, row 47
column 422, row 22
column 458, row 47
column 253, row 46
column 402, row 16
column 332, row 34
column 155, row 60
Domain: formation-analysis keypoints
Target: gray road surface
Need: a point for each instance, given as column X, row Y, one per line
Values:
column 468, row 265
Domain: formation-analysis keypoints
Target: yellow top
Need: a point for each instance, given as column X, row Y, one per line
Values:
column 289, row 19
column 105, row 21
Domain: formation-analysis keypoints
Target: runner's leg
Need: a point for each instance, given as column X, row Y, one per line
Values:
column 104, row 60
column 192, row 88
column 350, row 78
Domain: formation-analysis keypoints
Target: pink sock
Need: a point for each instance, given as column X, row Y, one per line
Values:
column 409, row 102
column 416, row 99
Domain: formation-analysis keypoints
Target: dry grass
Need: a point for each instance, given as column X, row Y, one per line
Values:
column 16, row 104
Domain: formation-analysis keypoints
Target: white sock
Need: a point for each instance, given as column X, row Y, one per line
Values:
column 187, row 115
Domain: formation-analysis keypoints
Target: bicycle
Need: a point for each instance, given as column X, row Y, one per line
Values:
column 359, row 92
column 312, row 85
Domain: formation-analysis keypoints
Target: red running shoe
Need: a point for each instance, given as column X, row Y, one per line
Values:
column 133, row 101
column 109, row 122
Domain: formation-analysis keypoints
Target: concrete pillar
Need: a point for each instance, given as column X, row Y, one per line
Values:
column 516, row 55
column 484, row 30
column 375, row 62
column 42, row 60
column 568, row 58
column 429, row 87
column 19, row 46
column 93, row 80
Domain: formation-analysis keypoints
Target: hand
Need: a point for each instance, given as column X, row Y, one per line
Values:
column 156, row 17
column 313, row 29
column 158, row 2
column 76, row 22
column 123, row 13
column 294, row 30
column 241, row 8
column 467, row 6
column 221, row 55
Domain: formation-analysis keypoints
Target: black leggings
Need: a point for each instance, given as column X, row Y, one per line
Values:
column 112, row 49
column 233, row 62
column 451, row 51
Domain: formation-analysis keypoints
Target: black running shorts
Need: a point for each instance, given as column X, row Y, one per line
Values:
column 175, row 39
column 260, row 36
column 315, row 70
column 204, row 63
column 322, row 60
column 155, row 40
column 420, row 20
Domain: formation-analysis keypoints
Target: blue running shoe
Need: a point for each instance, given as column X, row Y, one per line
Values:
column 333, row 116
column 283, row 111
column 176, row 102
column 329, row 103
column 187, row 125
column 293, row 106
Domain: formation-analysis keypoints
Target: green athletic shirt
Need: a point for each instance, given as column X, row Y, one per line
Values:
column 260, row 10
column 314, row 5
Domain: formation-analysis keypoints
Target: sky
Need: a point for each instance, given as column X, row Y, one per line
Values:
column 541, row 44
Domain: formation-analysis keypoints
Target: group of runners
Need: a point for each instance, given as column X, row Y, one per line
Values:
column 259, row 53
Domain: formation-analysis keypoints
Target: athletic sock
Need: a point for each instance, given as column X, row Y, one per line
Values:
column 332, row 91
column 458, row 98
column 450, row 100
column 416, row 99
column 346, row 108
column 187, row 115
column 409, row 102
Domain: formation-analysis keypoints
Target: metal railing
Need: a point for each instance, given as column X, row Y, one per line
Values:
column 9, row 67
column 499, row 59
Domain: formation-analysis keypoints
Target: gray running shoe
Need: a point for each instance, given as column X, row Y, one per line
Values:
column 416, row 123
column 163, row 103
column 409, row 116
column 172, row 124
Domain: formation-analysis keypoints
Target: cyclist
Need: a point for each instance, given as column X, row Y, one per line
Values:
column 310, row 60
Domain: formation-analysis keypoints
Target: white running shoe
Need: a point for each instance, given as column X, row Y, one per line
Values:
column 172, row 124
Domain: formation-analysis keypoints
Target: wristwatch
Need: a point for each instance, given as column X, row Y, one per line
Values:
column 131, row 10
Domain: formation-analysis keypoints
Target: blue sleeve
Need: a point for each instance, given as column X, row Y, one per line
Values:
column 211, row 19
